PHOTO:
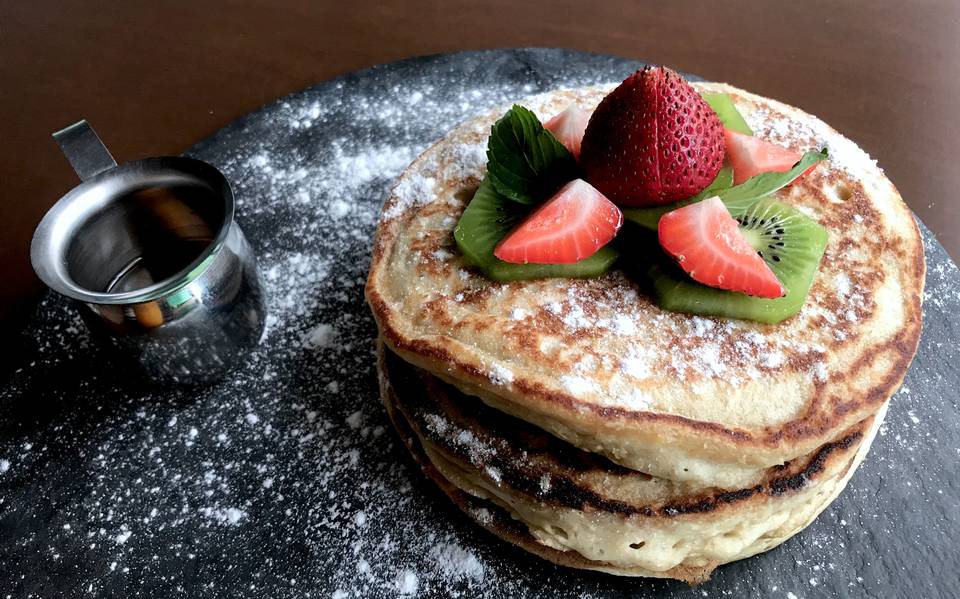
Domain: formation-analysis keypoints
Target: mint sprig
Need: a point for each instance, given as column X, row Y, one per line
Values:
column 525, row 162
column 740, row 197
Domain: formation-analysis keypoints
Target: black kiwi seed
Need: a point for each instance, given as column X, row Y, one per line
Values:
column 765, row 231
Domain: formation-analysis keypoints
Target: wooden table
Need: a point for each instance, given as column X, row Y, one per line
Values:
column 155, row 77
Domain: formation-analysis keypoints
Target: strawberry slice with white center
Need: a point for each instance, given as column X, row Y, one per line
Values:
column 751, row 156
column 708, row 244
column 572, row 225
column 568, row 127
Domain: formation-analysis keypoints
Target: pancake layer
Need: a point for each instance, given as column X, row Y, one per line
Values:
column 578, row 509
column 595, row 362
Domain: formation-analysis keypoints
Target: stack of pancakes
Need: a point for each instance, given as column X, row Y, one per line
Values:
column 576, row 419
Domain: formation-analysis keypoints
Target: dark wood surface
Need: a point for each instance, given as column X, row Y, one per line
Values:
column 155, row 77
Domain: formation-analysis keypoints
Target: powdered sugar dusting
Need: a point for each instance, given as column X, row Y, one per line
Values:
column 272, row 483
column 321, row 336
column 457, row 563
column 292, row 448
column 477, row 449
column 122, row 537
column 577, row 385
column 811, row 134
column 636, row 365
column 229, row 515
column 636, row 400
column 843, row 285
column 465, row 160
column 412, row 191
column 408, row 583
column 729, row 352
column 500, row 375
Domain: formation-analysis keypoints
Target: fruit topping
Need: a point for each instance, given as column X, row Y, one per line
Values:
column 708, row 245
column 648, row 218
column 791, row 244
column 749, row 156
column 525, row 162
column 572, row 225
column 568, row 127
column 656, row 145
column 653, row 140
column 563, row 237
column 738, row 197
column 488, row 219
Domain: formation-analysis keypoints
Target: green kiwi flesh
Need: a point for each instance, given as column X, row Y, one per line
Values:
column 488, row 218
column 725, row 109
column 789, row 242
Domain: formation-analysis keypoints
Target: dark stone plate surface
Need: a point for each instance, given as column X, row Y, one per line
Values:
column 285, row 480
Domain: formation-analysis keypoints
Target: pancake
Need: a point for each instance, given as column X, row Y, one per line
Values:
column 595, row 362
column 580, row 510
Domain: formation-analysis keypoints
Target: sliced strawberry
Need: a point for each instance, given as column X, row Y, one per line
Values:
column 572, row 225
column 750, row 156
column 568, row 126
column 709, row 246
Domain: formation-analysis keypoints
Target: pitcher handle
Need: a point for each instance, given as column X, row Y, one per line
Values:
column 83, row 148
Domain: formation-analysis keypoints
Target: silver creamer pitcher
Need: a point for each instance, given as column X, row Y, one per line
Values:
column 150, row 252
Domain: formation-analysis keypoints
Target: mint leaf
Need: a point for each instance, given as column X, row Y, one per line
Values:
column 525, row 162
column 740, row 197
column 737, row 198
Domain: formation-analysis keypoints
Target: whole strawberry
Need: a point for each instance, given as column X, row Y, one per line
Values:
column 653, row 140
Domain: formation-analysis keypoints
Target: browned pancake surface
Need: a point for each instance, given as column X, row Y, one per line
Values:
column 597, row 363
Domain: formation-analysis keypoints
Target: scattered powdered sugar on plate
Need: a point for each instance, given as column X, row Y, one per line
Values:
column 230, row 515
column 285, row 479
column 320, row 336
column 457, row 563
column 408, row 583
column 287, row 452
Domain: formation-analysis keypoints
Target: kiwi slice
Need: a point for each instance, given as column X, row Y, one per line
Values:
column 725, row 109
column 790, row 242
column 649, row 218
column 487, row 220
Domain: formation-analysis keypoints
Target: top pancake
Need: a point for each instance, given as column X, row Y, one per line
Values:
column 597, row 363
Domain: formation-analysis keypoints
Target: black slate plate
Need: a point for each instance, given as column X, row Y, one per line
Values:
column 286, row 481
